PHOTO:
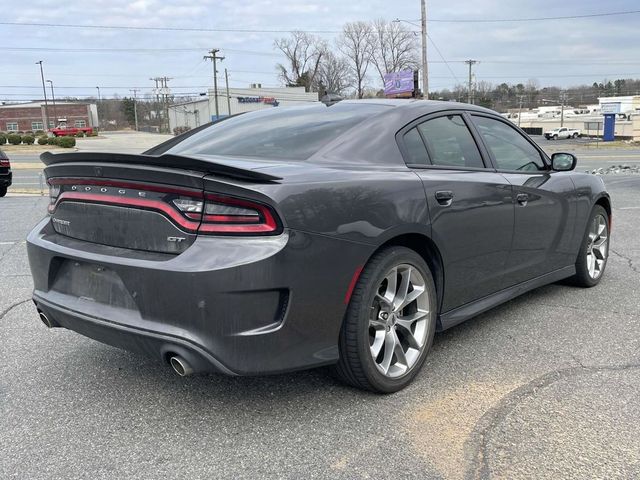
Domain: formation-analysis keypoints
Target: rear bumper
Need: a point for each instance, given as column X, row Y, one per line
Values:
column 238, row 306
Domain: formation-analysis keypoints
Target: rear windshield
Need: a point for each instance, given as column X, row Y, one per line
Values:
column 277, row 133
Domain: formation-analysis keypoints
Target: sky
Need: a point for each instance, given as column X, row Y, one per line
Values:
column 77, row 60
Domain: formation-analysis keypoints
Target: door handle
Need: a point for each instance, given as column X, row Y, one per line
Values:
column 522, row 199
column 444, row 197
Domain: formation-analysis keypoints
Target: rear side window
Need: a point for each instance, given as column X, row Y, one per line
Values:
column 416, row 150
column 450, row 143
column 510, row 149
column 291, row 133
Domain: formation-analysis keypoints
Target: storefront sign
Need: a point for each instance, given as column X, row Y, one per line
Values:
column 267, row 100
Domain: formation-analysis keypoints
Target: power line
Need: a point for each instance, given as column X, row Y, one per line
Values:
column 536, row 19
column 288, row 30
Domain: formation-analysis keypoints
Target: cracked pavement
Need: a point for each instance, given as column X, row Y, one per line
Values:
column 545, row 386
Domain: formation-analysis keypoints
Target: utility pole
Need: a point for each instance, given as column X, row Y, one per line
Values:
column 213, row 57
column 135, row 106
column 46, row 105
column 471, row 63
column 162, row 92
column 226, row 81
column 53, row 98
column 563, row 99
column 520, row 98
column 425, row 68
column 98, row 106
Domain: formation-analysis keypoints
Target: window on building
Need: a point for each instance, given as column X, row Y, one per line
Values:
column 37, row 126
column 51, row 124
column 81, row 123
column 12, row 126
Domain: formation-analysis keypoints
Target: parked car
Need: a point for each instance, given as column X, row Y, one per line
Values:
column 558, row 133
column 64, row 131
column 291, row 238
column 5, row 173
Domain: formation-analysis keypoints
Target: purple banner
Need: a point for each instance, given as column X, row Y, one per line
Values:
column 398, row 82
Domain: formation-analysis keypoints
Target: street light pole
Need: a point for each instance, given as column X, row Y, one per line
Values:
column 53, row 98
column 425, row 67
column 44, row 91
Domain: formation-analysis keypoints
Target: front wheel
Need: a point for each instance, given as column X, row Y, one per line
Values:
column 594, row 250
column 390, row 322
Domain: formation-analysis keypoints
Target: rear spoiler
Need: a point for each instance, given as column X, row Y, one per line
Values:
column 168, row 161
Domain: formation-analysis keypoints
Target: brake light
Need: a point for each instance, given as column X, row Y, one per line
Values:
column 233, row 215
column 192, row 210
column 4, row 162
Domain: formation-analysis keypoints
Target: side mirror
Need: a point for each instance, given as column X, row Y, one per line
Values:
column 563, row 162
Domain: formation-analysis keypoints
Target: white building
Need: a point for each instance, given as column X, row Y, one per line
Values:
column 628, row 104
column 195, row 113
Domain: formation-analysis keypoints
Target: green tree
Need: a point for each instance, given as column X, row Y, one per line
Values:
column 128, row 110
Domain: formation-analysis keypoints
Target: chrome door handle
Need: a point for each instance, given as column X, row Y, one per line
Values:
column 522, row 199
column 444, row 197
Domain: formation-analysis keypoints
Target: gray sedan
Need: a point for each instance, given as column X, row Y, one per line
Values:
column 291, row 238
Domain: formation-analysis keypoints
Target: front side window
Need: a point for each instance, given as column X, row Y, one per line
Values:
column 12, row 126
column 450, row 143
column 510, row 149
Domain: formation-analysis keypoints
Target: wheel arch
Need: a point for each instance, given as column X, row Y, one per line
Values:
column 429, row 251
column 605, row 202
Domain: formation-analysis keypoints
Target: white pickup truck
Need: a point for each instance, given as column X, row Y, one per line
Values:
column 563, row 132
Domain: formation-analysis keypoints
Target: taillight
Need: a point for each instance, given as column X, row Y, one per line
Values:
column 54, row 193
column 194, row 212
column 233, row 215
column 4, row 162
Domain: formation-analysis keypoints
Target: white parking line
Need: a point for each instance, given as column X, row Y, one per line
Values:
column 627, row 208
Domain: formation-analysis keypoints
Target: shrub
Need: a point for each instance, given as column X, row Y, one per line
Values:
column 14, row 139
column 67, row 142
column 39, row 132
column 3, row 139
column 28, row 139
column 28, row 132
column 43, row 140
column 80, row 134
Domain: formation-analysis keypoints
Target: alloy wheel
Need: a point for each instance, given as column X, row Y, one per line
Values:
column 597, row 246
column 398, row 321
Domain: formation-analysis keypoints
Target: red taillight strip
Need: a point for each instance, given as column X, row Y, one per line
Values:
column 268, row 224
column 119, row 184
column 129, row 202
column 231, row 218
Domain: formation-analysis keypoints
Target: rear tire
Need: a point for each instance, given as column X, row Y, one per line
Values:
column 3, row 191
column 390, row 322
column 594, row 250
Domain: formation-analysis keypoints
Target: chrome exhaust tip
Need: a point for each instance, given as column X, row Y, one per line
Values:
column 45, row 319
column 180, row 366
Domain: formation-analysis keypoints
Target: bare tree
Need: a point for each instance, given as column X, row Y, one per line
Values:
column 395, row 47
column 334, row 75
column 304, row 54
column 356, row 42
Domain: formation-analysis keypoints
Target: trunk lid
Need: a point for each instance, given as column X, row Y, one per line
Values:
column 147, row 203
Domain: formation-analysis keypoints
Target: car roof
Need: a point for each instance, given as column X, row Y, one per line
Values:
column 418, row 104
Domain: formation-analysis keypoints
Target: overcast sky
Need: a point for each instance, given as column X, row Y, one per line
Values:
column 555, row 52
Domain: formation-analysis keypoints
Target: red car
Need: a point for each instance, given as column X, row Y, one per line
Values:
column 5, row 173
column 70, row 131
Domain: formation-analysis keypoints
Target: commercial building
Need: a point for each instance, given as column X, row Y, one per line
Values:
column 195, row 113
column 32, row 116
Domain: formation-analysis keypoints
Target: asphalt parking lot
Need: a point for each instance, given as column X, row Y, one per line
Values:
column 545, row 386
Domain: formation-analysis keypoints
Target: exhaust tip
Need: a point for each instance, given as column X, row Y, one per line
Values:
column 180, row 366
column 45, row 319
